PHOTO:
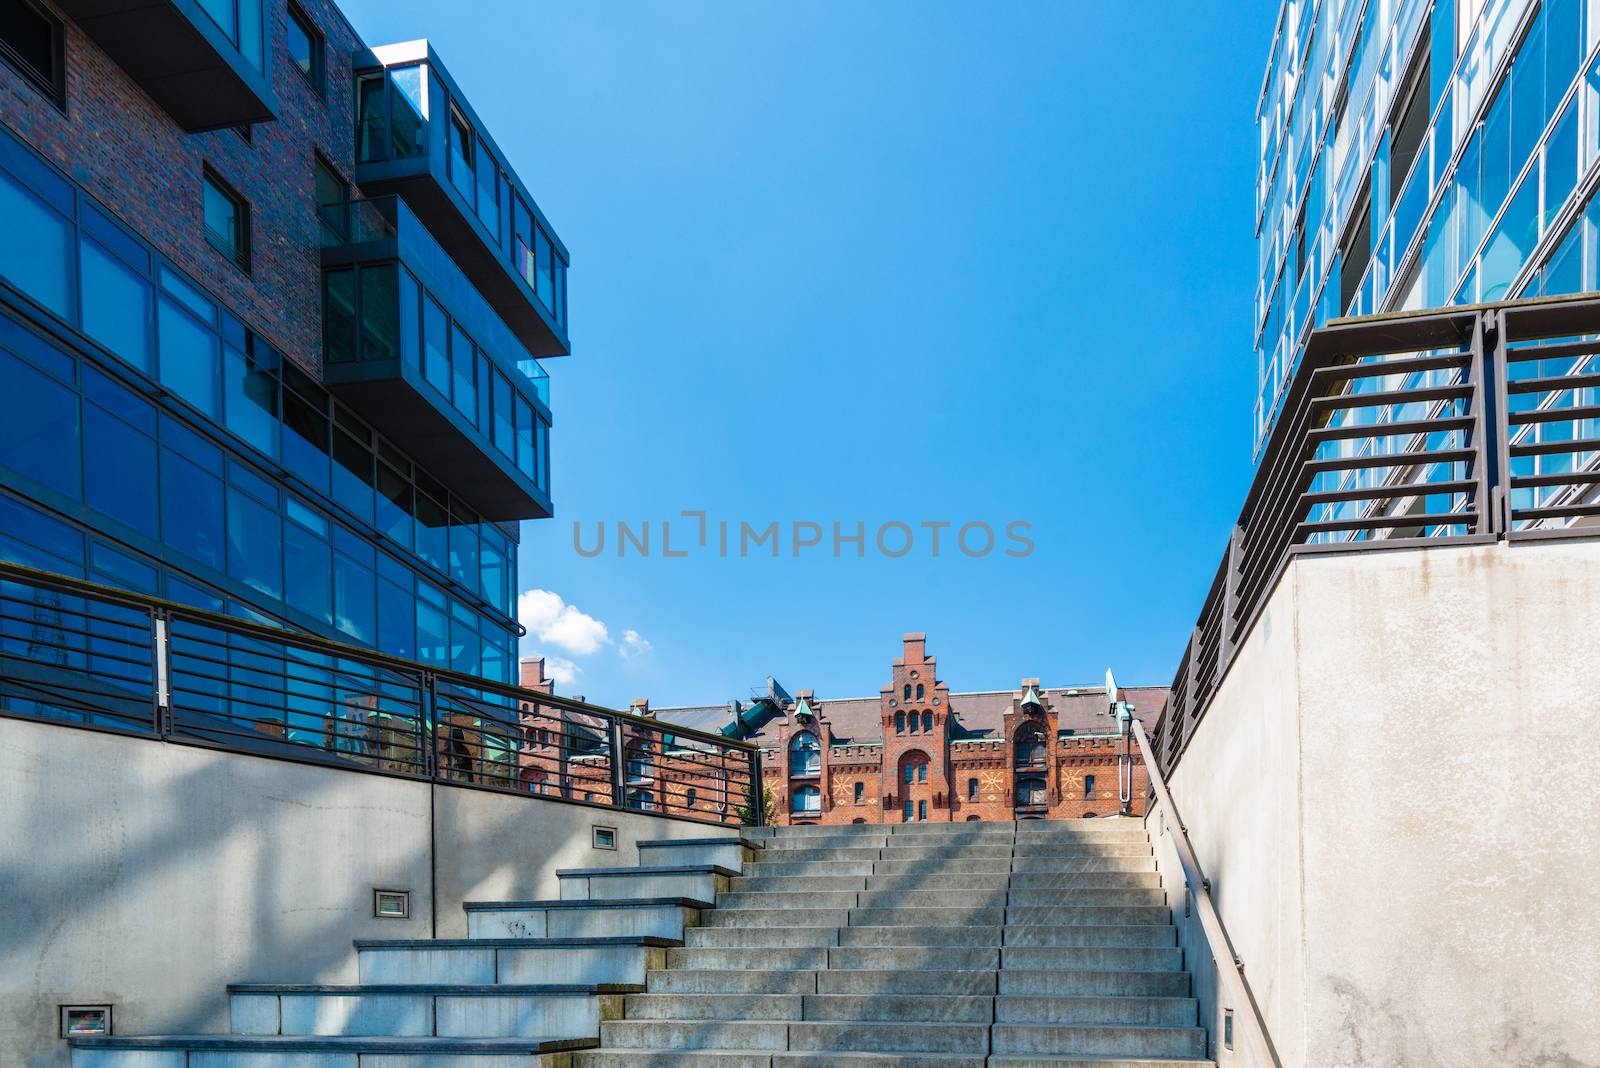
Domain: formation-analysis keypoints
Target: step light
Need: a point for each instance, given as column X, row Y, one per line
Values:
column 391, row 904
column 605, row 837
column 1227, row 1028
column 85, row 1020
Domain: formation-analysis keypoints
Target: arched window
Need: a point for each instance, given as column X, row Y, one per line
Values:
column 860, row 792
column 922, row 811
column 974, row 819
column 858, row 820
column 906, row 815
column 1088, row 786
column 1030, row 791
column 927, row 722
column 1087, row 816
column 919, row 691
column 908, row 691
column 1030, row 747
column 805, row 755
column 806, row 800
column 639, row 762
column 972, row 789
column 914, row 767
column 899, row 722
column 922, row 773
column 690, row 797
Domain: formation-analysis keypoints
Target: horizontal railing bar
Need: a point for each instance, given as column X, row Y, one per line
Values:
column 1380, row 369
column 1554, row 415
column 1570, row 511
column 1385, row 522
column 1396, row 459
column 1558, row 384
column 1558, row 350
column 1352, row 401
column 1373, row 493
column 1570, row 478
column 1407, row 428
column 1547, row 448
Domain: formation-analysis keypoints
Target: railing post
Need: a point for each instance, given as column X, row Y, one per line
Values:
column 1191, row 704
column 619, row 773
column 427, row 726
column 160, row 658
column 1491, row 432
column 758, row 790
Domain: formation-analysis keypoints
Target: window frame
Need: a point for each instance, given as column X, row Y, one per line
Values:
column 54, row 83
column 317, row 77
column 240, row 256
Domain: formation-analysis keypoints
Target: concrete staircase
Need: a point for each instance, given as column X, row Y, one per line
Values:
column 998, row 944
column 962, row 945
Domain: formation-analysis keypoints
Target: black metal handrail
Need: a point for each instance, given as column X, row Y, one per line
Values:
column 1457, row 426
column 89, row 655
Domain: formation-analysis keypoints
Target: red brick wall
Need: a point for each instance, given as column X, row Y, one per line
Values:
column 117, row 143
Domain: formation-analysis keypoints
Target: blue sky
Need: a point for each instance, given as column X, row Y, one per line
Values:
column 877, row 263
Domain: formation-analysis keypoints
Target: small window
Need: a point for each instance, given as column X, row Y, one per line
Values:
column 85, row 1020
column 927, row 722
column 391, row 904
column 919, row 691
column 860, row 791
column 305, row 46
column 908, row 810
column 908, row 691
column 972, row 789
column 911, row 773
column 922, row 811
column 227, row 221
column 690, row 798
column 1088, row 786
column 31, row 42
column 899, row 722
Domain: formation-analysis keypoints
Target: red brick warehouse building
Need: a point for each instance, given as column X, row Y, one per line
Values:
column 919, row 753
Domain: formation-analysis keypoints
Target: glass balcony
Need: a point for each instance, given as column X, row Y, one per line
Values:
column 204, row 61
column 416, row 136
column 411, row 344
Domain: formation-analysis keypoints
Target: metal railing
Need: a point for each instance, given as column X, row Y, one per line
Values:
column 78, row 653
column 1467, row 425
column 1230, row 969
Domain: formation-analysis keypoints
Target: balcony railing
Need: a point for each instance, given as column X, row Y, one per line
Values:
column 1469, row 425
column 76, row 653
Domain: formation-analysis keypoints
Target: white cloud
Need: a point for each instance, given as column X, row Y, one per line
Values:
column 634, row 644
column 562, row 670
column 555, row 622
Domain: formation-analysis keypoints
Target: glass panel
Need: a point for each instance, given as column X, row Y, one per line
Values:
column 250, row 32
column 352, row 474
column 397, row 623
column 339, row 316
column 489, row 194
column 120, row 476
column 465, row 394
column 545, row 282
column 308, row 578
column 250, row 396
column 409, row 310
column 255, row 544
column 435, row 345
column 36, row 247
column 461, row 155
column 464, row 553
column 380, row 313
column 223, row 14
column 409, row 109
column 191, row 509
column 525, row 437
column 189, row 358
column 371, row 120
column 1560, row 163
column 1513, row 239
column 224, row 219
column 504, row 417
column 354, row 599
column 116, row 305
column 305, row 441
column 494, row 586
column 432, row 532
column 39, row 426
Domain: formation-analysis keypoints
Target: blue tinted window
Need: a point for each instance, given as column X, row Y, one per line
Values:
column 38, row 426
column 352, row 474
column 33, row 539
column 194, row 596
column 394, row 505
column 397, row 629
column 120, row 569
column 464, row 383
column 354, row 596
column 114, row 398
column 177, row 287
column 432, row 641
column 120, row 475
column 544, row 269
column 250, row 388
column 255, row 544
column 191, row 509
column 409, row 322
column 36, row 254
column 525, row 437
column 305, row 441
column 189, row 358
column 432, row 532
column 494, row 577
column 464, row 554
column 308, row 571
column 435, row 345
column 339, row 316
column 504, row 416
column 465, row 650
column 116, row 305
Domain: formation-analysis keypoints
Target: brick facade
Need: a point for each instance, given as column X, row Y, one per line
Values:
column 116, row 142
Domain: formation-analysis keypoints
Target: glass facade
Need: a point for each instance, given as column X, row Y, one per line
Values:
column 1417, row 155
column 149, row 439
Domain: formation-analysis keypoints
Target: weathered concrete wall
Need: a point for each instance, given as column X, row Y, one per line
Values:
column 1382, row 793
column 150, row 875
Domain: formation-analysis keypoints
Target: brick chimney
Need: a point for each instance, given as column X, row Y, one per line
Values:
column 915, row 649
column 640, row 706
column 530, row 671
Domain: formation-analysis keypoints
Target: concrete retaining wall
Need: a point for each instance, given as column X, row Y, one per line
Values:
column 150, row 875
column 1382, row 794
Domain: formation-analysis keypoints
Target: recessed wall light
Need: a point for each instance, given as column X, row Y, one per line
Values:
column 85, row 1020
column 391, row 904
column 605, row 837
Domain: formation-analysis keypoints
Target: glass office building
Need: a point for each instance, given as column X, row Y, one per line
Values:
column 1418, row 154
column 271, row 325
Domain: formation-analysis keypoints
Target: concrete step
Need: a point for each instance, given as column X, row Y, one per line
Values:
column 323, row 1051
column 1101, row 1041
column 922, row 849
column 816, row 1036
column 715, row 1007
column 834, row 1008
column 788, row 843
column 921, row 936
column 796, row 958
column 1024, row 1060
column 927, row 981
column 1083, row 896
column 1126, row 1011
column 721, row 1058
column 1100, row 914
column 1084, row 848
column 1029, row 863
column 730, row 981
column 809, row 854
column 760, row 936
column 1105, row 880
column 775, row 918
column 1044, row 936
column 938, row 958
column 664, row 917
column 731, row 852
column 758, row 884
column 781, row 900
column 769, row 868
column 1093, row 958
column 447, row 1011
column 519, row 962
column 699, row 882
column 1161, row 984
column 956, row 866
column 919, row 917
